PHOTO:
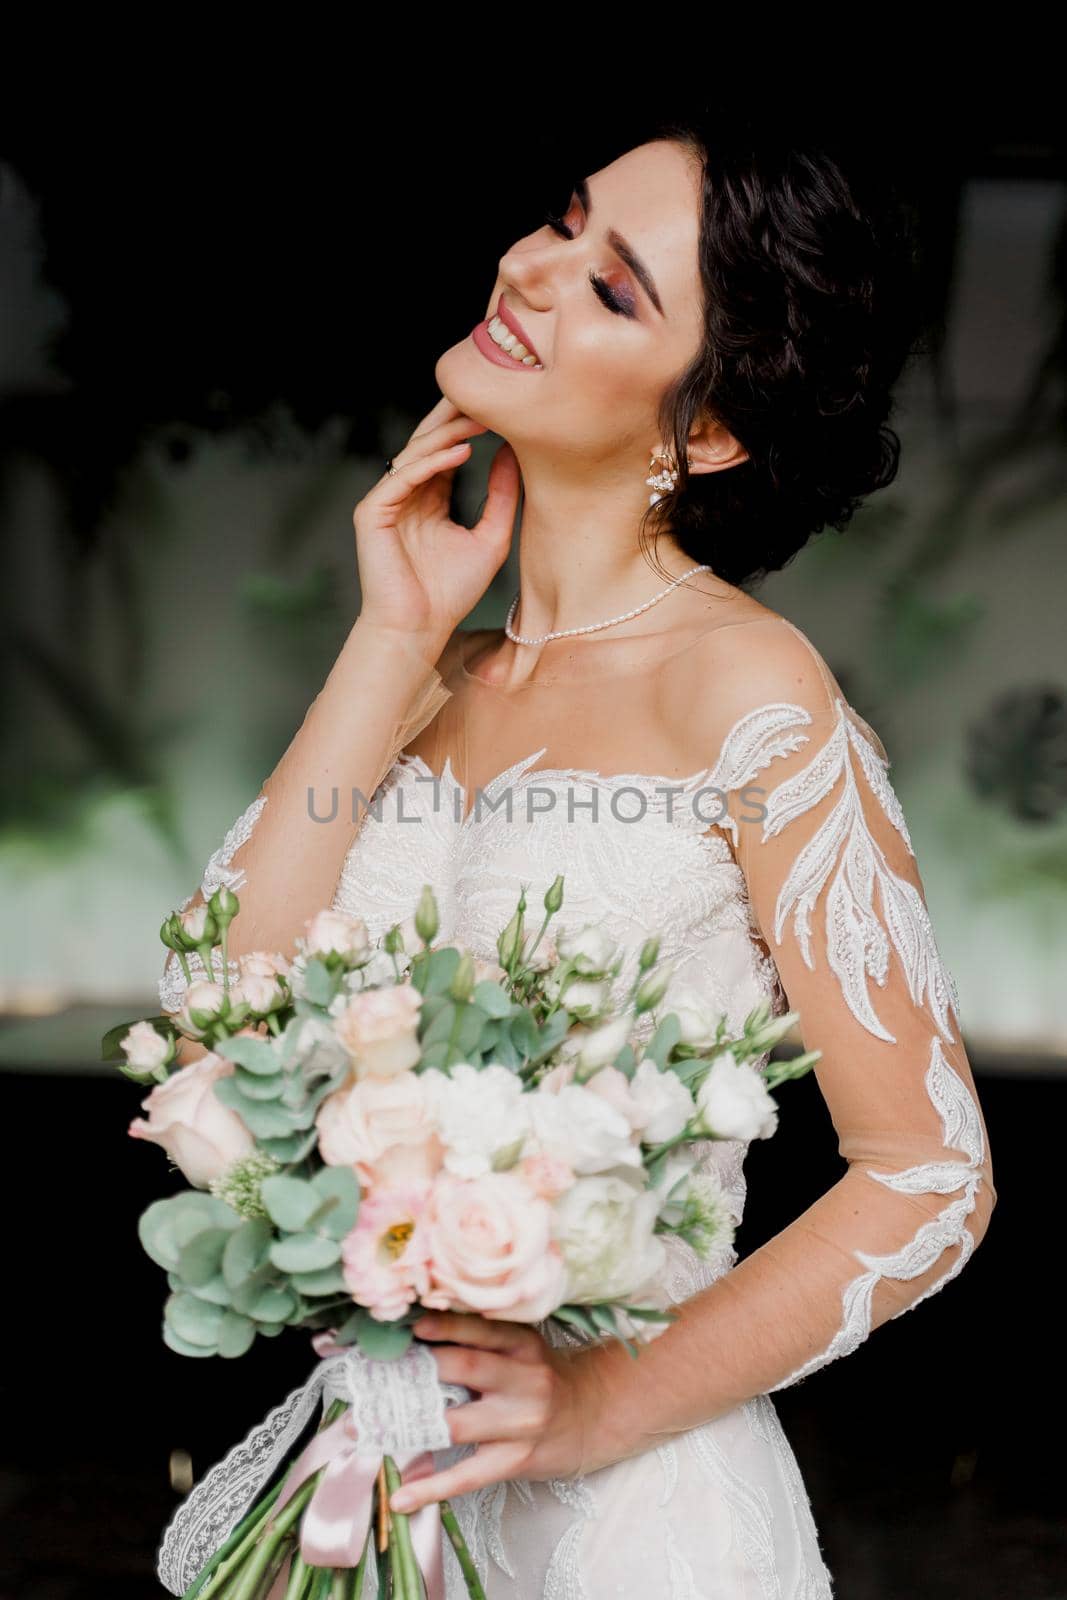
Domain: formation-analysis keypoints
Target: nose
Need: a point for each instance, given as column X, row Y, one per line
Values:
column 527, row 268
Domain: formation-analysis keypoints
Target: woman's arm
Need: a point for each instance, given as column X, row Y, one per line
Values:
column 835, row 891
column 420, row 574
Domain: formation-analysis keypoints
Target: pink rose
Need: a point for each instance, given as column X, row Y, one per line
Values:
column 261, row 994
column 378, row 1028
column 383, row 1259
column 200, row 1135
column 384, row 1128
column 491, row 1249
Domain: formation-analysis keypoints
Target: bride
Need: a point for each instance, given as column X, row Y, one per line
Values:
column 719, row 323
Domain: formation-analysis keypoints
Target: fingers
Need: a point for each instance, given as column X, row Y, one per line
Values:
column 478, row 1369
column 395, row 488
column 502, row 500
column 490, row 1463
column 460, row 1327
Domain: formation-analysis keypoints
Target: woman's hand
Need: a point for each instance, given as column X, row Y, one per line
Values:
column 537, row 1414
column 421, row 572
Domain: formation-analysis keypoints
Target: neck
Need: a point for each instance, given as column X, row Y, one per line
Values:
column 579, row 563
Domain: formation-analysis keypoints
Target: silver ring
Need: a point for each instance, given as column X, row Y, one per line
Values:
column 390, row 468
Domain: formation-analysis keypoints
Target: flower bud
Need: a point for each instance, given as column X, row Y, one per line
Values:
column 510, row 942
column 171, row 934
column 393, row 942
column 554, row 896
column 462, row 985
column 427, row 921
column 198, row 927
column 649, row 952
column 765, row 1037
column 224, row 906
column 148, row 1053
column 652, row 988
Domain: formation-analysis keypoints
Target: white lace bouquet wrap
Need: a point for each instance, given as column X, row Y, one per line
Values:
column 374, row 1130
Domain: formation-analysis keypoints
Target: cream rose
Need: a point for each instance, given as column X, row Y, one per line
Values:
column 491, row 1249
column 604, row 1225
column 378, row 1028
column 203, row 1003
column 733, row 1102
column 200, row 1135
column 588, row 948
column 383, row 1127
column 334, row 933
column 144, row 1048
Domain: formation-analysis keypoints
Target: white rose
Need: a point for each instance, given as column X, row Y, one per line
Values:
column 318, row 1050
column 144, row 1048
column 336, row 933
column 376, row 972
column 582, row 1129
column 604, row 1226
column 603, row 1044
column 586, row 996
column 664, row 1102
column 697, row 1023
column 733, row 1102
column 589, row 948
column 482, row 1116
column 378, row 1028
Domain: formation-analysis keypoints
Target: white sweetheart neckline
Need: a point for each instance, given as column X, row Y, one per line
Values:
column 582, row 774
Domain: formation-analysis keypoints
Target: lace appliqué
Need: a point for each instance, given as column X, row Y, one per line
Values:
column 857, row 945
column 962, row 1130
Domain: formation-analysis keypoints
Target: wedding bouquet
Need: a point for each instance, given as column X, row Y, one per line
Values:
column 377, row 1128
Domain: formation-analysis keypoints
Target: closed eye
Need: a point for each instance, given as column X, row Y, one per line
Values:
column 614, row 302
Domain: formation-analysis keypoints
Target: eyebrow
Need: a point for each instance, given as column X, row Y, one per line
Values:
column 623, row 250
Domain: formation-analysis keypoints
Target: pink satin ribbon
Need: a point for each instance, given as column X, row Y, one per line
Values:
column 336, row 1520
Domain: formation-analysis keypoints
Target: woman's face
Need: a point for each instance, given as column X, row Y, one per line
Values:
column 601, row 368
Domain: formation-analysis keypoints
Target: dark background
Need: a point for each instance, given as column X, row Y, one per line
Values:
column 227, row 236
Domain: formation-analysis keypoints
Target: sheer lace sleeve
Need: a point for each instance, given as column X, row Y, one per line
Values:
column 374, row 741
column 834, row 886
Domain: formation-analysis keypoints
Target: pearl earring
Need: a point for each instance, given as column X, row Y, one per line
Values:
column 665, row 480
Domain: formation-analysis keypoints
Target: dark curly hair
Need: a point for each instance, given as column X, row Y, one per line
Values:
column 811, row 311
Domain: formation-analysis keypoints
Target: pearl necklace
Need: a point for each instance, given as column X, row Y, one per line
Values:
column 593, row 627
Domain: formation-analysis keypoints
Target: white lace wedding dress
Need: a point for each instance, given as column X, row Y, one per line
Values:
column 805, row 885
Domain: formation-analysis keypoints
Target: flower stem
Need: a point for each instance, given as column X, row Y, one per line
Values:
column 459, row 1545
column 236, row 1547
column 405, row 1570
column 271, row 1532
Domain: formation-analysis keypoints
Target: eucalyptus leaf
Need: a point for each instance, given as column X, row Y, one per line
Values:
column 246, row 1294
column 236, row 1335
column 438, row 970
column 194, row 1320
column 182, row 1347
column 304, row 1252
column 525, row 1035
column 340, row 1186
column 383, row 1341
column 274, row 1305
column 266, row 1119
column 201, row 1259
column 320, row 985
column 294, row 1147
column 290, row 1202
column 667, row 1034
column 328, row 1280
column 216, row 1290
column 255, row 1055
column 246, row 1250
column 490, row 997
column 254, row 1088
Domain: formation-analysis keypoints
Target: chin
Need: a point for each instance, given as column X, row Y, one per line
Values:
column 466, row 378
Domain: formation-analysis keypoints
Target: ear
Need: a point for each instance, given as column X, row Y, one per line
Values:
column 712, row 448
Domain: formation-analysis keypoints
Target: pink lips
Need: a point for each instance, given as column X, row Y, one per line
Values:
column 492, row 351
column 512, row 323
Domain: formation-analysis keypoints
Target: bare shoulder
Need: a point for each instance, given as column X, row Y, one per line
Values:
column 761, row 662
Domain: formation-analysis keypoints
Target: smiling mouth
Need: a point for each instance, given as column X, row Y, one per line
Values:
column 500, row 346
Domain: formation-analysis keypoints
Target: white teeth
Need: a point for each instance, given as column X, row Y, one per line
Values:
column 501, row 335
